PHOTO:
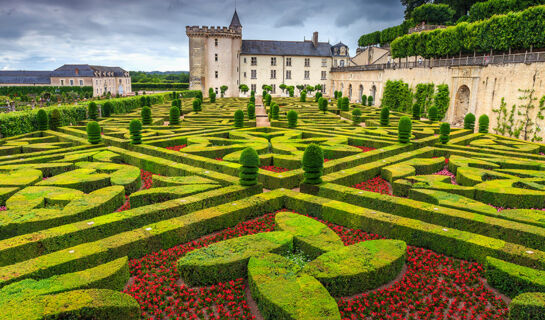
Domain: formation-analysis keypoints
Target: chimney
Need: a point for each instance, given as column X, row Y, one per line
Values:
column 315, row 39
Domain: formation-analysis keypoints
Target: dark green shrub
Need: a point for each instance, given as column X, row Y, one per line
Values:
column 370, row 101
column 93, row 132
column 313, row 164
column 339, row 104
column 197, row 105
column 107, row 108
column 526, row 306
column 213, row 97
column 292, row 119
column 291, row 92
column 344, row 104
column 317, row 96
column 404, row 129
column 174, row 116
column 444, row 137
column 322, row 104
column 142, row 101
column 252, row 100
column 356, row 116
column 275, row 111
column 55, row 119
column 416, row 111
column 199, row 95
column 432, row 114
column 239, row 119
column 303, row 96
column 210, row 91
column 249, row 161
column 469, row 122
column 364, row 100
column 148, row 101
column 135, row 128
column 268, row 100
column 92, row 109
column 42, row 120
column 384, row 117
column 431, row 13
column 250, row 109
column 483, row 123
column 146, row 115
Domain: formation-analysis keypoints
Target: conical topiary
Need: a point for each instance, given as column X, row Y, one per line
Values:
column 469, row 122
column 146, row 115
column 433, row 114
column 445, row 133
column 384, row 117
column 239, row 119
column 92, row 109
column 249, row 161
column 339, row 104
column 268, row 100
column 250, row 109
column 174, row 116
column 292, row 119
column 93, row 132
column 323, row 104
column 135, row 128
column 107, row 109
column 212, row 97
column 303, row 97
column 199, row 95
column 275, row 111
column 55, row 119
column 42, row 120
column 483, row 123
column 404, row 129
column 197, row 104
column 313, row 164
column 317, row 96
column 370, row 100
column 416, row 111
column 356, row 116
column 345, row 103
column 363, row 100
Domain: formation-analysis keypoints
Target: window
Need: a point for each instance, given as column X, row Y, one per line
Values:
column 216, row 42
column 324, row 62
column 62, row 82
column 244, row 74
column 216, row 56
column 253, row 87
column 216, row 74
column 273, row 88
column 71, row 82
column 323, row 88
column 273, row 61
column 216, row 90
column 81, row 82
column 335, row 63
column 96, row 82
column 341, row 63
column 244, row 59
column 253, row 74
column 324, row 75
column 307, row 62
column 288, row 74
column 307, row 75
column 288, row 62
column 254, row 61
column 273, row 74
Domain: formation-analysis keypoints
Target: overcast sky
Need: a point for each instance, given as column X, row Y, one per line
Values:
column 150, row 34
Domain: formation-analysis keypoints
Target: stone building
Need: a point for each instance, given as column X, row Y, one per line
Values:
column 103, row 79
column 219, row 56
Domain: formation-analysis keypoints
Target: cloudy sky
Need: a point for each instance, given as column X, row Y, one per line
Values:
column 150, row 34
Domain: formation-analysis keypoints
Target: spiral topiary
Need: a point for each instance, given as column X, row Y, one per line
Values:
column 384, row 117
column 92, row 109
column 416, row 111
column 55, row 119
column 303, row 96
column 483, row 123
column 239, row 119
column 404, row 129
column 370, row 100
column 469, row 122
column 313, row 164
column 250, row 109
column 363, row 100
column 445, row 133
column 107, row 109
column 317, row 96
column 93, row 132
column 275, row 111
column 249, row 161
column 174, row 116
column 344, row 104
column 135, row 128
column 42, row 120
column 292, row 119
column 146, row 115
column 433, row 114
column 356, row 116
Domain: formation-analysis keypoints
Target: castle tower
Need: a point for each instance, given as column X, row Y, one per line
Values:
column 214, row 57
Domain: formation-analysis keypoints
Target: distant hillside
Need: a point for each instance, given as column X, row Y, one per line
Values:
column 159, row 76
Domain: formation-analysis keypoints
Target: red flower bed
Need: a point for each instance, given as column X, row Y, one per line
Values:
column 3, row 208
column 147, row 182
column 274, row 169
column 326, row 160
column 376, row 184
column 446, row 172
column 219, row 159
column 177, row 148
column 365, row 149
column 433, row 287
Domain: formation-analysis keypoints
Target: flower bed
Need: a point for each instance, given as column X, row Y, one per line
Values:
column 365, row 149
column 376, row 184
column 177, row 148
column 147, row 182
column 274, row 169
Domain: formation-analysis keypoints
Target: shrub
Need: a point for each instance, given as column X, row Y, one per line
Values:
column 250, row 109
column 55, row 119
column 527, row 306
column 268, row 99
column 292, row 119
column 213, row 97
column 384, row 117
column 356, row 116
column 469, row 122
column 416, row 111
column 249, row 161
column 199, row 95
column 433, row 14
column 344, row 104
column 432, row 114
column 239, row 119
column 197, row 105
column 364, row 100
column 142, row 101
column 93, row 132
column 303, row 96
column 404, row 129
column 146, row 115
column 92, row 109
column 148, row 101
column 370, row 101
column 42, row 120
column 397, row 96
column 442, row 100
column 445, row 133
column 135, row 128
column 339, row 103
column 223, row 89
column 317, row 96
column 483, row 123
column 291, row 92
column 322, row 104
column 275, row 111
column 107, row 108
column 174, row 116
column 313, row 164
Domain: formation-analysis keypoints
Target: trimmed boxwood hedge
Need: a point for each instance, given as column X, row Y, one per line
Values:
column 513, row 279
column 528, row 306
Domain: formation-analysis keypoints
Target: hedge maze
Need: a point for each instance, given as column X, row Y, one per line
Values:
column 167, row 221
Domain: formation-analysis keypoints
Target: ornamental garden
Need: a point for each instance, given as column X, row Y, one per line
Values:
column 162, row 207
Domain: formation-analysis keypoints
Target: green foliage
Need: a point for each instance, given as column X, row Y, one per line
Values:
column 86, row 91
column 292, row 119
column 243, row 88
column 303, row 96
column 313, row 164
column 268, row 99
column 239, row 119
column 159, row 86
column 317, row 96
column 339, row 103
column 197, row 105
column 212, row 97
column 250, row 110
column 416, row 111
column 469, row 122
column 513, row 279
column 135, row 129
column 199, row 95
column 167, row 78
column 483, row 123
column 223, row 89
column 423, row 97
column 107, row 108
column 404, row 129
column 174, row 116
column 322, row 104
column 433, row 114
column 275, row 111
column 291, row 92
column 397, row 96
column 249, row 161
column 429, row 13
column 384, row 117
column 146, row 115
column 55, row 119
column 93, row 132
column 486, row 9
column 369, row 39
column 387, row 35
column 370, row 101
column 356, row 116
column 148, row 101
column 527, row 306
column 92, row 109
column 345, row 104
column 445, row 133
column 442, row 100
column 42, row 120
column 364, row 100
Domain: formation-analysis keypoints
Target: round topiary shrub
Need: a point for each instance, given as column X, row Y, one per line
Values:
column 356, row 116
column 303, row 96
column 250, row 109
column 212, row 97
column 469, row 122
column 199, row 95
column 249, row 161
column 384, row 117
column 345, row 103
column 275, row 111
column 107, row 109
column 239, row 119
column 416, row 111
column 313, row 164
column 483, row 123
column 404, row 129
column 197, row 105
column 93, row 132
column 92, row 109
column 174, row 116
column 135, row 128
column 146, row 115
column 445, row 133
column 364, row 100
column 42, row 120
column 292, row 119
column 55, row 119
column 370, row 100
column 433, row 114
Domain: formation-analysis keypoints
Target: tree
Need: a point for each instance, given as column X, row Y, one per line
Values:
column 174, row 116
column 469, row 122
column 432, row 114
column 268, row 99
column 444, row 129
column 429, row 13
column 483, row 123
column 199, row 95
column 92, row 109
column 397, row 96
column 300, row 87
column 135, row 128
column 42, row 120
column 318, row 87
column 93, row 132
column 249, row 166
column 317, row 96
column 313, row 164
column 363, row 100
column 384, row 117
column 239, row 119
column 55, row 119
column 292, row 119
column 282, row 87
column 146, row 115
column 410, row 5
column 404, row 129
column 442, row 100
column 370, row 101
column 416, row 111
column 356, row 116
column 243, row 88
column 223, row 89
column 291, row 92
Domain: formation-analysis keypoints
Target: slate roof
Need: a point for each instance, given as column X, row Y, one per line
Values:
column 235, row 22
column 25, row 77
column 85, row 70
column 340, row 44
column 286, row 48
